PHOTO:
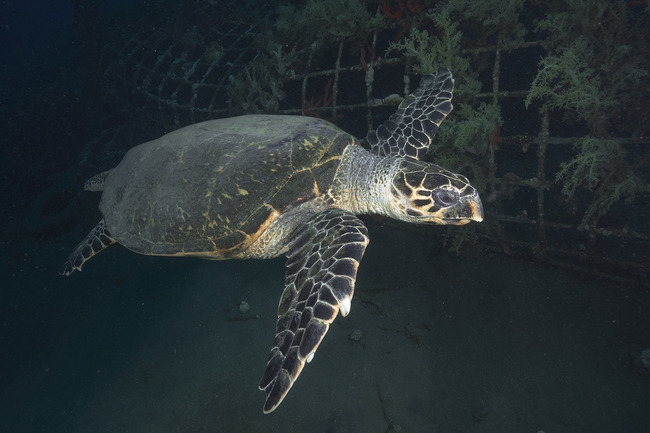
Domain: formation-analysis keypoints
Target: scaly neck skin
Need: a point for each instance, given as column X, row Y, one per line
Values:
column 363, row 180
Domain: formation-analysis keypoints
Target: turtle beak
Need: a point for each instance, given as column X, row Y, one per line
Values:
column 468, row 209
column 476, row 209
column 471, row 206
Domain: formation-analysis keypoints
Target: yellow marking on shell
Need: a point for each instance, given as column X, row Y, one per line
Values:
column 253, row 237
column 219, row 201
column 211, row 185
column 307, row 144
column 242, row 191
column 181, row 212
column 226, row 195
column 181, row 154
column 219, row 169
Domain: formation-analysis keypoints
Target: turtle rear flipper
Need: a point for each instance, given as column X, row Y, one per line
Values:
column 96, row 183
column 322, row 267
column 98, row 239
column 411, row 129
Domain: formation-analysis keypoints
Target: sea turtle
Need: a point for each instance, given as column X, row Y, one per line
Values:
column 259, row 186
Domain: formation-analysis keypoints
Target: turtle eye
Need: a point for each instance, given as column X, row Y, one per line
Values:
column 446, row 197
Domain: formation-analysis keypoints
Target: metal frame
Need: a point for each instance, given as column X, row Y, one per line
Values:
column 172, row 69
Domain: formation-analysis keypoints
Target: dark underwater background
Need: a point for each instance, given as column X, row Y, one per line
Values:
column 535, row 320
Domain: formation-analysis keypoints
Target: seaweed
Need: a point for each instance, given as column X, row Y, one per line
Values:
column 257, row 88
column 428, row 53
column 324, row 19
column 492, row 18
column 597, row 63
column 570, row 80
column 600, row 166
column 566, row 81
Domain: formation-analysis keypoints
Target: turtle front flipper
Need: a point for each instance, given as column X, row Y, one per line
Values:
column 98, row 239
column 323, row 257
column 411, row 129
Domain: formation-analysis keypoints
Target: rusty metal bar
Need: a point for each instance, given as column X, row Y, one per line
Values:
column 541, row 176
column 335, row 86
column 138, row 69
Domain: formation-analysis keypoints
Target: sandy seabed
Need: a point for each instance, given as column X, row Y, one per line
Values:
column 449, row 344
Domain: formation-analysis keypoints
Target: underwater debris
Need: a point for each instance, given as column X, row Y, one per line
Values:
column 601, row 167
column 430, row 52
column 319, row 19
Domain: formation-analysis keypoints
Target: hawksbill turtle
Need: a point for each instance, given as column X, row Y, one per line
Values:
column 261, row 186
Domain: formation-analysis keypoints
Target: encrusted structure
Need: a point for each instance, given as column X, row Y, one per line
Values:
column 549, row 120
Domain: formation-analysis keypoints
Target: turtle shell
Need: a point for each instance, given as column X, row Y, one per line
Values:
column 212, row 188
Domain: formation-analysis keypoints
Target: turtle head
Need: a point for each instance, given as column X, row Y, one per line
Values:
column 427, row 193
